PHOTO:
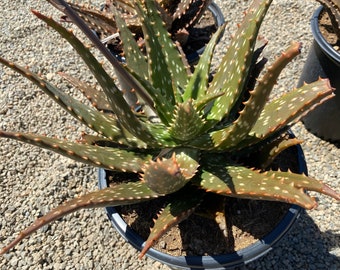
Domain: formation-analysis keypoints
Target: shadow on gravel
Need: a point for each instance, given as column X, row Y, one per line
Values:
column 305, row 247
column 337, row 144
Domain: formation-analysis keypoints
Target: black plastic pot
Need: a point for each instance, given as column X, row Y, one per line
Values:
column 323, row 61
column 224, row 261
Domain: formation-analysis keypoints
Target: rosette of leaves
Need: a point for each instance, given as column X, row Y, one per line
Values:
column 198, row 129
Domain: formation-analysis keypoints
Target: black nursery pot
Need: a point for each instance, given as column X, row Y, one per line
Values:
column 323, row 61
column 224, row 261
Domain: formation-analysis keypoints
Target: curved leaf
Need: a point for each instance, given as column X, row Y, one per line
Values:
column 123, row 194
column 105, row 125
column 124, row 113
column 241, row 182
column 105, row 157
column 180, row 208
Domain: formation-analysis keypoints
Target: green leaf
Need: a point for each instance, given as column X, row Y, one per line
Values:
column 105, row 125
column 188, row 160
column 96, row 97
column 164, row 109
column 198, row 83
column 95, row 19
column 239, row 129
column 105, row 157
column 124, row 113
column 188, row 13
column 180, row 208
column 134, row 57
column 169, row 174
column 164, row 176
column 304, row 182
column 274, row 116
column 158, row 71
column 271, row 150
column 162, row 54
column 187, row 122
column 232, row 73
column 241, row 182
column 290, row 107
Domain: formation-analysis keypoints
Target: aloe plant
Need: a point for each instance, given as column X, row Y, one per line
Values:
column 199, row 130
column 332, row 7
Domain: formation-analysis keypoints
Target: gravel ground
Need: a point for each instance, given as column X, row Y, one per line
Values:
column 33, row 180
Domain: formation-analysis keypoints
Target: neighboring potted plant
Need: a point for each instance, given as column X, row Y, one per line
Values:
column 210, row 137
column 324, row 61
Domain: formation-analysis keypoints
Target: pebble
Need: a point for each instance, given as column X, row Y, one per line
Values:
column 33, row 180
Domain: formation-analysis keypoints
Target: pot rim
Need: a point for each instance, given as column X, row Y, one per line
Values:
column 319, row 38
column 230, row 260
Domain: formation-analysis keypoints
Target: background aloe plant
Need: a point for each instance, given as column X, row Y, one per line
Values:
column 179, row 17
column 203, row 126
column 332, row 7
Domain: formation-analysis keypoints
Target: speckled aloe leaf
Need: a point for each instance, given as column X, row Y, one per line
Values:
column 95, row 19
column 164, row 109
column 198, row 83
column 97, row 98
column 240, row 128
column 257, row 65
column 104, row 142
column 188, row 13
column 188, row 160
column 232, row 73
column 180, row 208
column 162, row 54
column 123, row 194
column 96, row 140
column 138, row 67
column 72, row 15
column 241, row 182
column 178, row 68
column 115, row 97
column 134, row 57
column 271, row 150
column 104, row 125
column 168, row 175
column 303, row 181
column 203, row 102
column 182, row 8
column 274, row 116
column 163, row 176
column 105, row 157
column 158, row 72
column 290, row 107
column 187, row 122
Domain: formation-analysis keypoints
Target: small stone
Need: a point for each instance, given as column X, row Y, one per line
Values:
column 162, row 244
